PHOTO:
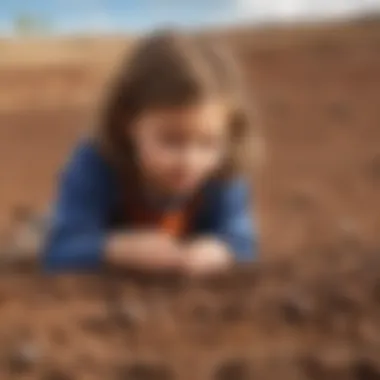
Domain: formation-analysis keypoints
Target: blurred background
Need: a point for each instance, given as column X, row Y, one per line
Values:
column 312, row 66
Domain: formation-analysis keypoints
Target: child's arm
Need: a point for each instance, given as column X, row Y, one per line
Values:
column 79, row 238
column 232, row 221
column 228, row 233
column 77, row 235
column 144, row 250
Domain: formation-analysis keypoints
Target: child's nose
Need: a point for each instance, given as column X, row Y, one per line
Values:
column 191, row 158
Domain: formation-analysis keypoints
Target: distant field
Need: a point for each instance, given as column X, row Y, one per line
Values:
column 318, row 91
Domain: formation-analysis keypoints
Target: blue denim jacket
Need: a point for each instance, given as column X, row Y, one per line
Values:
column 87, row 206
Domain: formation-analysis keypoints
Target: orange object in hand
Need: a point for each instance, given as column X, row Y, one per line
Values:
column 177, row 223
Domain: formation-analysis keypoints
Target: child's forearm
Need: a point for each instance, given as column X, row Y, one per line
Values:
column 154, row 252
column 143, row 251
column 125, row 250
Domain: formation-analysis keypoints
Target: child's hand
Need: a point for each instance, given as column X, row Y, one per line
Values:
column 146, row 250
column 206, row 256
column 159, row 251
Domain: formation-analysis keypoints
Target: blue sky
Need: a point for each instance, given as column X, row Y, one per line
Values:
column 71, row 16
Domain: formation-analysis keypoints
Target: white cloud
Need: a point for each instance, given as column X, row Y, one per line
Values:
column 291, row 9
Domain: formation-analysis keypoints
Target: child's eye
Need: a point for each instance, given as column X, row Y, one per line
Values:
column 173, row 139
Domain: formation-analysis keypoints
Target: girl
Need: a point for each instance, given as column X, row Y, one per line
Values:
column 159, row 186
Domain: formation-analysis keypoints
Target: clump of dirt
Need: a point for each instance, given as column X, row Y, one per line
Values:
column 284, row 319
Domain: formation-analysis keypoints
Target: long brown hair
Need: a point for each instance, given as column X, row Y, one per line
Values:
column 172, row 69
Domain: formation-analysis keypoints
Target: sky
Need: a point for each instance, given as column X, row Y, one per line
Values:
column 78, row 16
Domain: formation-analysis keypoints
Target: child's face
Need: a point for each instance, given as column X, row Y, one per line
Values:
column 179, row 148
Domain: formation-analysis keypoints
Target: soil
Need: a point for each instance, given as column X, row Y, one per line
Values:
column 294, row 319
column 308, row 309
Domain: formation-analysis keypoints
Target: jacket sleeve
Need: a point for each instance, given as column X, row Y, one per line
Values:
column 231, row 219
column 77, row 233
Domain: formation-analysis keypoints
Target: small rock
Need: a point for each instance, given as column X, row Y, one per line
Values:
column 232, row 312
column 340, row 303
column 295, row 309
column 56, row 374
column 376, row 290
column 145, row 371
column 316, row 369
column 23, row 358
column 59, row 337
column 300, row 202
column 236, row 369
column 202, row 313
column 97, row 324
column 128, row 315
column 373, row 170
column 365, row 370
column 339, row 111
column 312, row 367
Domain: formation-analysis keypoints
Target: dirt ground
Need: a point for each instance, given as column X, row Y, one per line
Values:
column 314, row 315
column 298, row 319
